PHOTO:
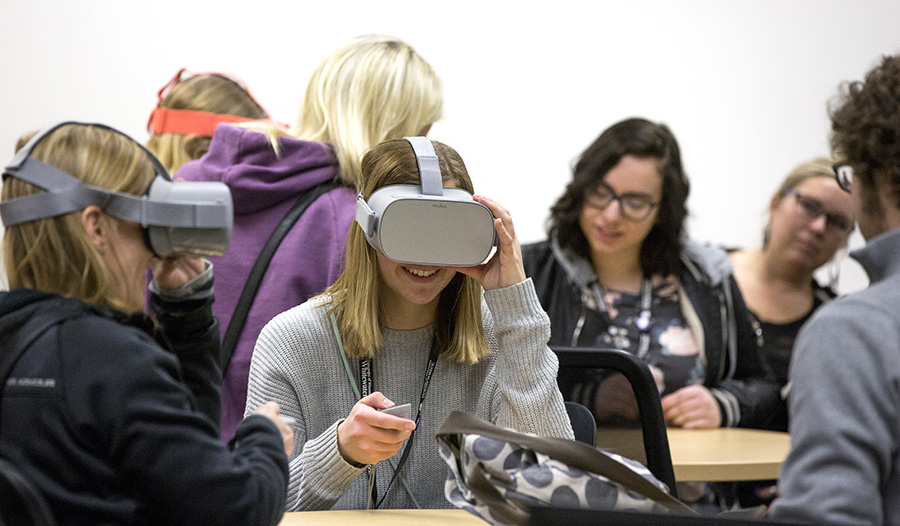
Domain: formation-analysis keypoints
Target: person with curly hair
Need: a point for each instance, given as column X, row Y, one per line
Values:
column 844, row 464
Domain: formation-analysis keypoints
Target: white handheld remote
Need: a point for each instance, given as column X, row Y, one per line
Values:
column 403, row 411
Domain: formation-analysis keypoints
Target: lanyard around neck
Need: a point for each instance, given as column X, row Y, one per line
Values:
column 365, row 380
column 645, row 319
column 366, row 383
column 432, row 362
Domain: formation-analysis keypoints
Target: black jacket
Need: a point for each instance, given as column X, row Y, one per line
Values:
column 115, row 421
column 735, row 373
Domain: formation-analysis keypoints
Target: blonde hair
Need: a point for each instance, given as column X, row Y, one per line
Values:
column 53, row 254
column 371, row 89
column 208, row 92
column 355, row 298
column 818, row 167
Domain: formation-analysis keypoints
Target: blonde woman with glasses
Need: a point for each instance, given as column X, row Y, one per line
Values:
column 810, row 219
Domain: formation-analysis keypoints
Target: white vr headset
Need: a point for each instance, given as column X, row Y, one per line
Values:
column 189, row 218
column 427, row 224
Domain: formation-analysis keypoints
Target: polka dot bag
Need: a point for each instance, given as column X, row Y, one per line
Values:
column 498, row 474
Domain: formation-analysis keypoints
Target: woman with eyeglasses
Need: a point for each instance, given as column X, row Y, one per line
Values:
column 617, row 272
column 810, row 219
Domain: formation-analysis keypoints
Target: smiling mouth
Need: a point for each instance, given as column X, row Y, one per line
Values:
column 419, row 272
column 604, row 233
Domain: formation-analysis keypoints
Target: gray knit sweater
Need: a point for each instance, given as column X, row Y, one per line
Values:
column 297, row 363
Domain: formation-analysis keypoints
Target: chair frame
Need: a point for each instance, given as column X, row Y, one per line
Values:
column 636, row 371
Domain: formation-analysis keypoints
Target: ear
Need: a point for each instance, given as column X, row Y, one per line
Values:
column 95, row 228
column 773, row 203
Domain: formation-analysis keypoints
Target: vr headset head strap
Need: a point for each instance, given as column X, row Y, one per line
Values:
column 25, row 152
column 64, row 194
column 170, row 120
column 429, row 168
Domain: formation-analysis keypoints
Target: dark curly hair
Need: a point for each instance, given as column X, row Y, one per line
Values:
column 865, row 125
column 661, row 249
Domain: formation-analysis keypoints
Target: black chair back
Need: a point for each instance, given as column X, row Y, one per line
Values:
column 20, row 502
column 583, row 423
column 649, row 409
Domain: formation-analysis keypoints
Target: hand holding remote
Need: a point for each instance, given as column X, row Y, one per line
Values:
column 368, row 435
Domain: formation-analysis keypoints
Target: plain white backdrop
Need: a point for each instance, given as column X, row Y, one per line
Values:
column 744, row 85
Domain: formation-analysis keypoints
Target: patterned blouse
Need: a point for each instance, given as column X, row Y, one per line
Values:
column 674, row 357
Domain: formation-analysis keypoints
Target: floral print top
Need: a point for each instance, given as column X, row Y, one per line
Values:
column 674, row 356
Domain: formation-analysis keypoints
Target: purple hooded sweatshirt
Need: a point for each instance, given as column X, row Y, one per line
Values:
column 264, row 187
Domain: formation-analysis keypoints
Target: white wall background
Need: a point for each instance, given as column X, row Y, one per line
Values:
column 744, row 85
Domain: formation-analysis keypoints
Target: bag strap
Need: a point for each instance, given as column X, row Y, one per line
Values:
column 251, row 286
column 15, row 342
column 572, row 453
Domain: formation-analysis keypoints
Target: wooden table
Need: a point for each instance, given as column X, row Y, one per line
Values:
column 721, row 454
column 382, row 518
column 727, row 453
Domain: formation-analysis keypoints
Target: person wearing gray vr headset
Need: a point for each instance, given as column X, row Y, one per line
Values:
column 97, row 395
column 426, row 311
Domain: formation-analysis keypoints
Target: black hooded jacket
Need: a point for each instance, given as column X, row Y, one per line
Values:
column 735, row 373
column 114, row 419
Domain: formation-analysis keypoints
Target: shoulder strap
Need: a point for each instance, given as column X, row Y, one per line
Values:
column 251, row 286
column 570, row 452
column 16, row 342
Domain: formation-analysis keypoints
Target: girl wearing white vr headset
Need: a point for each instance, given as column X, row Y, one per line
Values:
column 113, row 416
column 441, row 338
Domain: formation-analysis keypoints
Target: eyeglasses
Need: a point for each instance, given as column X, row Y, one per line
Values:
column 843, row 172
column 812, row 209
column 634, row 207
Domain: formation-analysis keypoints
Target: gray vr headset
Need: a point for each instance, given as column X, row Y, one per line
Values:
column 178, row 219
column 427, row 224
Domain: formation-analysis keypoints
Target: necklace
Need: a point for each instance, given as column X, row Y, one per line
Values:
column 644, row 321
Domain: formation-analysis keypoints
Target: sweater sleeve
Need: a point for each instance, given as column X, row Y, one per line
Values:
column 844, row 408
column 526, row 396
column 319, row 475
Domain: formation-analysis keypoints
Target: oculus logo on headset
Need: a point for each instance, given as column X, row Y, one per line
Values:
column 427, row 224
column 178, row 219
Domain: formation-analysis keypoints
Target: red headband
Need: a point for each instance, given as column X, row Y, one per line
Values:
column 167, row 120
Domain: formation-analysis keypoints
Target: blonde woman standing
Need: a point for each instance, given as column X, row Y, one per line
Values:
column 371, row 89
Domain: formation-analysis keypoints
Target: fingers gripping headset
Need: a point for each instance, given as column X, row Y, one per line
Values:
column 427, row 224
column 186, row 218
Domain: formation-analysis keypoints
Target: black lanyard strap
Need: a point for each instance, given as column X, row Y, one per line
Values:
column 366, row 383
